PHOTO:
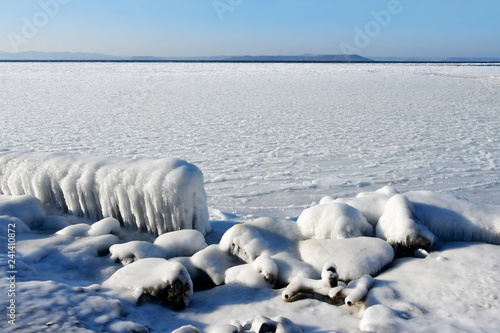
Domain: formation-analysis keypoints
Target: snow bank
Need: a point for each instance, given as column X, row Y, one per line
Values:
column 27, row 208
column 353, row 257
column 333, row 220
column 399, row 226
column 167, row 282
column 370, row 204
column 181, row 243
column 453, row 218
column 153, row 195
column 132, row 251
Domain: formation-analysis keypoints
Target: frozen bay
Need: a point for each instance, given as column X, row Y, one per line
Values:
column 270, row 139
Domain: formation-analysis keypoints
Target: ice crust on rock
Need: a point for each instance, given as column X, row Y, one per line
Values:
column 132, row 251
column 399, row 226
column 353, row 257
column 164, row 281
column 27, row 208
column 151, row 195
column 453, row 218
column 333, row 220
column 181, row 243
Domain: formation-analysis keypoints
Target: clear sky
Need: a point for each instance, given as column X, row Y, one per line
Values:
column 371, row 28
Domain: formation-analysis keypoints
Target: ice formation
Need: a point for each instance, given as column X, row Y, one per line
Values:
column 333, row 220
column 299, row 284
column 353, row 257
column 154, row 195
column 399, row 226
column 181, row 243
column 167, row 282
column 25, row 207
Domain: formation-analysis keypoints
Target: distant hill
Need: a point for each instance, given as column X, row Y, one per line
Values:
column 84, row 56
column 304, row 58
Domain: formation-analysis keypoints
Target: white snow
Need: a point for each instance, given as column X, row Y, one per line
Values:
column 154, row 195
column 333, row 221
column 398, row 225
column 168, row 282
column 25, row 207
column 181, row 243
column 353, row 257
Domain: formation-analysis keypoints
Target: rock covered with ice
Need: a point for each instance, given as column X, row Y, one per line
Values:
column 152, row 195
column 453, row 218
column 181, row 243
column 164, row 281
column 333, row 220
column 353, row 257
column 399, row 226
column 27, row 208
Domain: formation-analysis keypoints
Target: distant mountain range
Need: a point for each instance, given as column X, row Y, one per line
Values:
column 83, row 56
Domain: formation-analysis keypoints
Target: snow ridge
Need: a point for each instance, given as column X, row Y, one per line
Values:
column 157, row 196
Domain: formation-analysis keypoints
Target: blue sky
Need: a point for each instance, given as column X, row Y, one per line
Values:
column 372, row 28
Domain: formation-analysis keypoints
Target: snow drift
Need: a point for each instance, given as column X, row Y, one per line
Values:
column 151, row 195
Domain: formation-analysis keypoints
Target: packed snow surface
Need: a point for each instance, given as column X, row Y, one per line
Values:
column 151, row 195
column 388, row 146
column 270, row 138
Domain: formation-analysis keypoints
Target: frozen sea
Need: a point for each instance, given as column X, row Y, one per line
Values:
column 270, row 138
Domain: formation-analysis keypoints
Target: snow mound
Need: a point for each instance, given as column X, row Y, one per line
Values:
column 167, row 282
column 398, row 225
column 27, row 208
column 213, row 261
column 248, row 241
column 353, row 257
column 132, row 251
column 370, row 204
column 151, row 195
column 12, row 223
column 332, row 221
column 262, row 273
column 453, row 218
column 105, row 226
column 182, row 243
column 277, row 239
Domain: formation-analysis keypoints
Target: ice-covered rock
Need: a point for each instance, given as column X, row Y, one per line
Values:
column 277, row 239
column 186, row 329
column 105, row 226
column 370, row 204
column 380, row 318
column 453, row 218
column 299, row 284
column 27, row 208
column 154, row 195
column 353, row 257
column 399, row 226
column 12, row 223
column 332, row 221
column 135, row 250
column 261, row 273
column 357, row 289
column 248, row 241
column 75, row 230
column 213, row 261
column 167, row 282
column 181, row 243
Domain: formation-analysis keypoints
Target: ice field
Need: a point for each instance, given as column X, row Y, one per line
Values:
column 322, row 197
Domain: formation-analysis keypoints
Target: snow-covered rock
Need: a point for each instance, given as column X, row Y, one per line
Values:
column 399, row 226
column 248, row 241
column 370, row 204
column 154, row 195
column 27, row 208
column 332, row 221
column 167, row 282
column 105, row 226
column 357, row 289
column 135, row 250
column 12, row 223
column 181, row 243
column 261, row 273
column 453, row 218
column 353, row 257
column 213, row 261
column 329, row 280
